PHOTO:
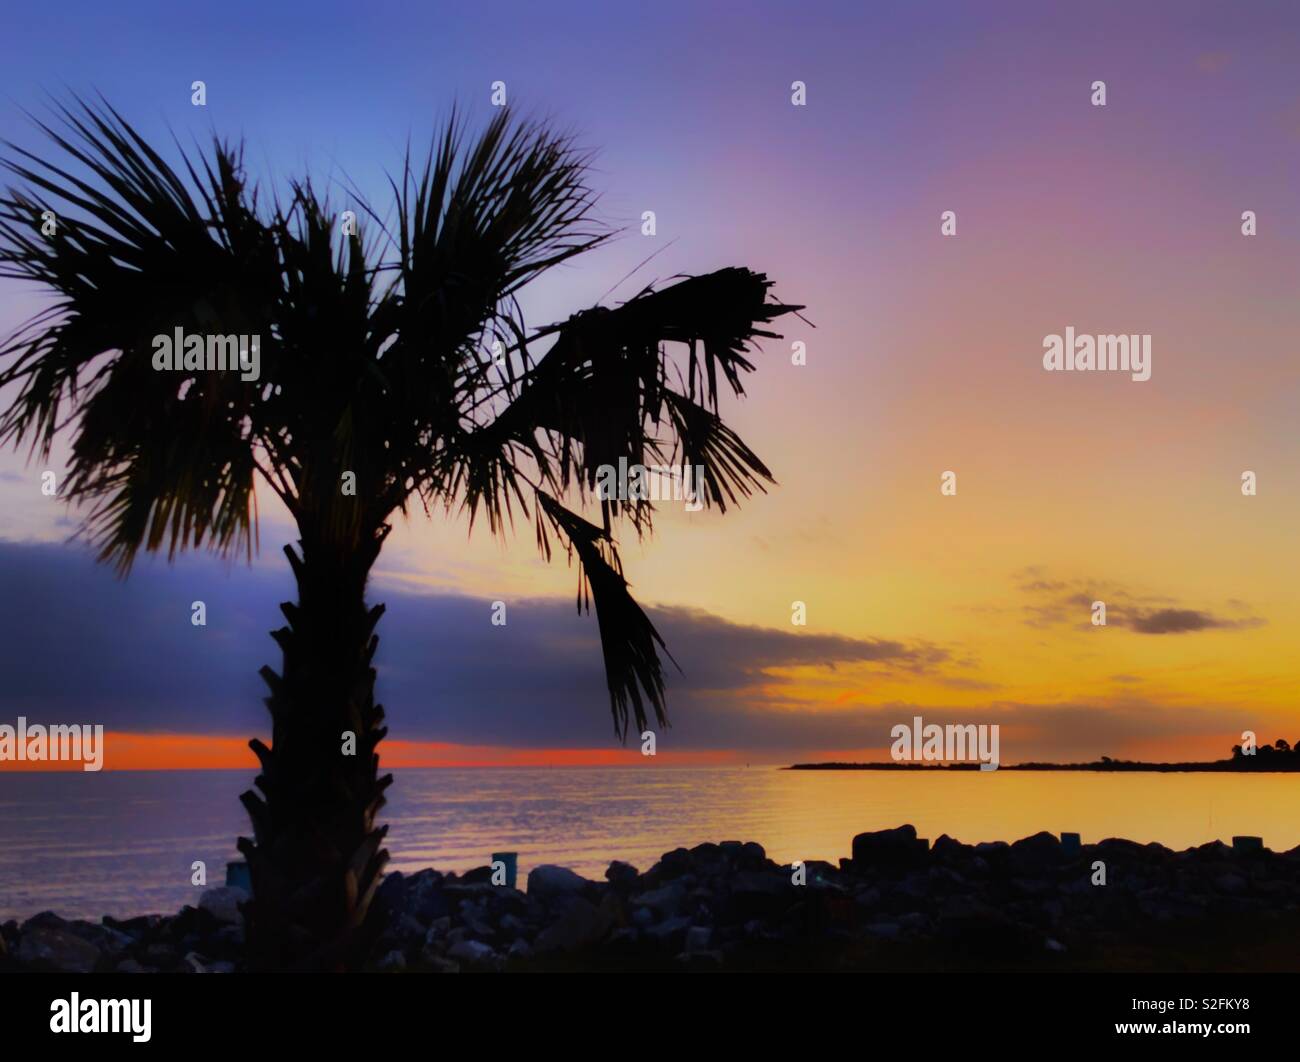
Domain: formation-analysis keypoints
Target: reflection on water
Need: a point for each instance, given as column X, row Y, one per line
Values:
column 83, row 844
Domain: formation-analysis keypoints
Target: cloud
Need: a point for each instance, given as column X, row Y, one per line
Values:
column 78, row 644
column 1183, row 620
column 1071, row 601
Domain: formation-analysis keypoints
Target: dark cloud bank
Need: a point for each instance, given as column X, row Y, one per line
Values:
column 77, row 644
column 76, row 641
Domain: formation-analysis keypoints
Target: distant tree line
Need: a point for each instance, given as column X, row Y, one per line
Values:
column 1280, row 750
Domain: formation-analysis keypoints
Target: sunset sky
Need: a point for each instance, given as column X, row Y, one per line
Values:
column 926, row 357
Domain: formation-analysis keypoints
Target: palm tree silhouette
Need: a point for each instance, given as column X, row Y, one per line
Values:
column 373, row 362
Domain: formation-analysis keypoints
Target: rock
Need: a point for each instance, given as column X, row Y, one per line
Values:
column 973, row 926
column 760, row 893
column 887, row 848
column 480, row 928
column 222, row 903
column 1230, row 883
column 108, row 940
column 161, row 954
column 820, row 873
column 667, row 900
column 549, row 882
column 867, row 898
column 56, row 949
column 705, row 854
column 391, row 894
column 669, row 933
column 135, row 928
column 480, row 892
column 423, row 896
column 520, row 949
column 672, row 864
column 230, row 938
column 621, row 875
column 406, row 929
column 1037, row 852
column 581, row 924
column 45, row 920
column 623, row 940
column 392, row 962
column 700, row 960
column 475, row 953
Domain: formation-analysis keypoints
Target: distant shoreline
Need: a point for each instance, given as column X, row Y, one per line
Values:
column 1233, row 766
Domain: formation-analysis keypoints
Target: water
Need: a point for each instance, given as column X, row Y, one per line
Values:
column 122, row 842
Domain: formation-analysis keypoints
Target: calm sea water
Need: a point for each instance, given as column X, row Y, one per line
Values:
column 122, row 842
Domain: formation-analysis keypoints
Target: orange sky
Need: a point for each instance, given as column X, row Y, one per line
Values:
column 154, row 752
column 926, row 358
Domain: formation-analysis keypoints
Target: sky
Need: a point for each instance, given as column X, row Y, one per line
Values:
column 924, row 356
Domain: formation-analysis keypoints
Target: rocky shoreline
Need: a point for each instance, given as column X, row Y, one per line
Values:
column 898, row 902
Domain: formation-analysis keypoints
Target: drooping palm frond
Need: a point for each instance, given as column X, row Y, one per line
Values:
column 628, row 640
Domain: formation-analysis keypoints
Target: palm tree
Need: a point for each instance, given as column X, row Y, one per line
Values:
column 374, row 368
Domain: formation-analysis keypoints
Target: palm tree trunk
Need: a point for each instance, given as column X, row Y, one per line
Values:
column 315, row 857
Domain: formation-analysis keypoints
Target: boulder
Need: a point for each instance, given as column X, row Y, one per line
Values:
column 670, row 933
column 56, row 949
column 621, row 875
column 667, row 900
column 475, row 953
column 548, row 883
column 108, row 940
column 582, row 924
column 888, row 848
column 423, row 896
column 1040, row 850
column 672, row 864
column 222, row 903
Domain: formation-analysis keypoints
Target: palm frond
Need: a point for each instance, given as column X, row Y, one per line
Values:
column 137, row 252
column 628, row 640
column 607, row 387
